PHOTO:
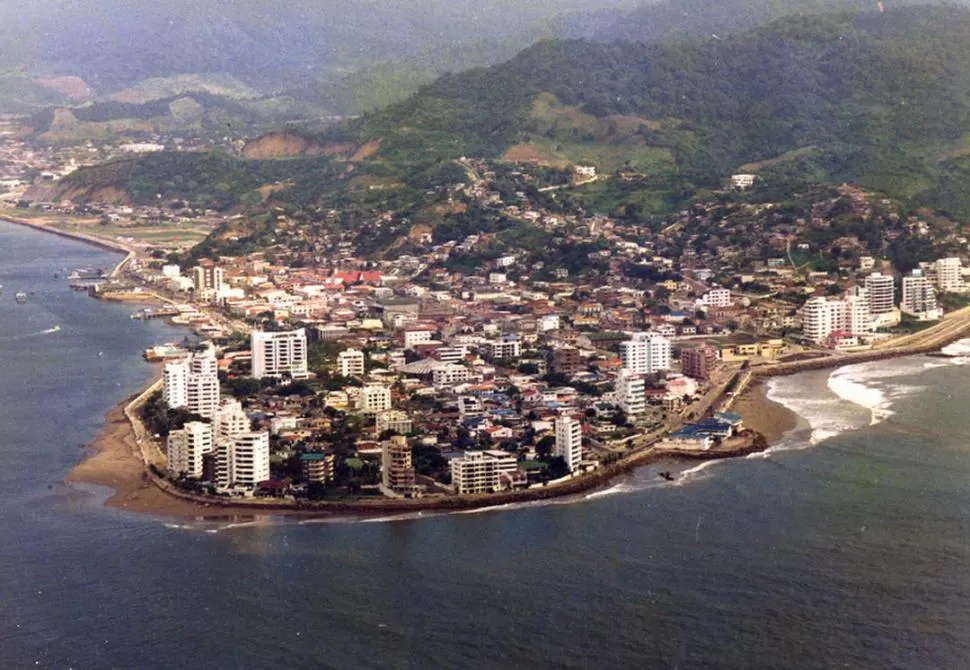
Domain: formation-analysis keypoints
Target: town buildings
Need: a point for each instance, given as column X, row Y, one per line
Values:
column 631, row 393
column 374, row 398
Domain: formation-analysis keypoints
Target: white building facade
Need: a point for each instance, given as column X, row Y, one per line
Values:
column 483, row 471
column 186, row 447
column 276, row 355
column 569, row 441
column 646, row 353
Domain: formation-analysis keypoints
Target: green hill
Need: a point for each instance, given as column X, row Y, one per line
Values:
column 879, row 98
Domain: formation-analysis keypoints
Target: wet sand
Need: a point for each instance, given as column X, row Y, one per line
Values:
column 115, row 463
column 762, row 414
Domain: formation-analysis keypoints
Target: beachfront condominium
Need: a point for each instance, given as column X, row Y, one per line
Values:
column 230, row 421
column 823, row 317
column 350, row 363
column 820, row 318
column 483, row 471
column 949, row 275
column 881, row 292
column 919, row 297
column 569, row 441
column 243, row 462
column 278, row 355
column 193, row 383
column 397, row 472
column 646, row 353
column 186, row 447
column 631, row 393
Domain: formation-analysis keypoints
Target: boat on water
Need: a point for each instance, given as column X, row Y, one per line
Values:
column 666, row 476
column 20, row 297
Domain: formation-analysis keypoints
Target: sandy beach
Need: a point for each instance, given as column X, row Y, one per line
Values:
column 762, row 414
column 115, row 463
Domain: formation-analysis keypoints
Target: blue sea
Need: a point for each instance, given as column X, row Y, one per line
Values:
column 847, row 545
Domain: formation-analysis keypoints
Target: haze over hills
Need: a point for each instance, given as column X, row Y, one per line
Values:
column 881, row 99
column 113, row 44
column 874, row 96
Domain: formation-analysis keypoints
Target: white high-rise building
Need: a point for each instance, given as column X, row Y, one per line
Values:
column 569, row 441
column 186, row 447
column 822, row 317
column 858, row 320
column 646, row 353
column 631, row 393
column 230, row 421
column 350, row 363
column 949, row 275
column 483, row 471
column 374, row 398
column 881, row 291
column 919, row 298
column 243, row 462
column 279, row 354
column 175, row 384
column 193, row 383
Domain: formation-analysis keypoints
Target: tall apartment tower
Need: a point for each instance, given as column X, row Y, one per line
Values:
column 699, row 362
column 207, row 278
column 243, row 461
column 919, row 298
column 646, row 353
column 631, row 393
column 230, row 421
column 858, row 320
column 186, row 447
column 569, row 441
column 397, row 472
column 949, row 275
column 821, row 318
column 278, row 354
column 193, row 383
column 881, row 292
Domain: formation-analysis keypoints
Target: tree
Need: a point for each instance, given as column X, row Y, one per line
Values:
column 545, row 446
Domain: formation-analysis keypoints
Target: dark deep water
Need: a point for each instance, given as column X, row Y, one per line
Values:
column 852, row 553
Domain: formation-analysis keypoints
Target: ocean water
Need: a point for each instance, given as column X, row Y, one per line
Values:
column 845, row 546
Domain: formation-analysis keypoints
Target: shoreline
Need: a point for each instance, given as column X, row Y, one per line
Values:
column 93, row 240
column 117, row 457
column 121, row 464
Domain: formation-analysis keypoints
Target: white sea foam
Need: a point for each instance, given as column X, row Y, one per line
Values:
column 958, row 348
column 825, row 413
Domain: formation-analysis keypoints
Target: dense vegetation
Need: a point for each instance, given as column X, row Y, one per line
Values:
column 878, row 97
column 209, row 179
